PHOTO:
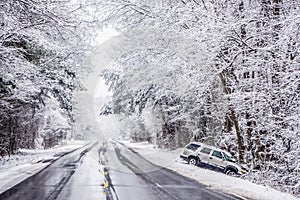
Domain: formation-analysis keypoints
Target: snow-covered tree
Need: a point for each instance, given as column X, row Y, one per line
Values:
column 240, row 60
column 41, row 44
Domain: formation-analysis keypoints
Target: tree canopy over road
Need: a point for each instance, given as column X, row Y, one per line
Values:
column 223, row 72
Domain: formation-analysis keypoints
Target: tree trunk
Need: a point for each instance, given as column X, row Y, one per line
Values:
column 235, row 122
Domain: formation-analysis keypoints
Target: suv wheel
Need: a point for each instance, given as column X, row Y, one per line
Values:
column 193, row 161
column 230, row 172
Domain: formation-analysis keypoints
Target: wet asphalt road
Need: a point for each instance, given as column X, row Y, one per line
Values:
column 49, row 182
column 109, row 171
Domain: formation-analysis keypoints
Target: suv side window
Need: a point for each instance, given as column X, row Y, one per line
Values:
column 217, row 154
column 229, row 157
column 206, row 150
column 193, row 147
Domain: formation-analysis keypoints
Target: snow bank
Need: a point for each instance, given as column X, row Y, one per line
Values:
column 31, row 156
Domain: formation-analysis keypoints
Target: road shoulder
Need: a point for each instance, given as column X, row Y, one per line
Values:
column 30, row 163
column 215, row 180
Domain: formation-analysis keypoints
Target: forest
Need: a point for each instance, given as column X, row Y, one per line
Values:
column 221, row 72
column 224, row 72
column 42, row 44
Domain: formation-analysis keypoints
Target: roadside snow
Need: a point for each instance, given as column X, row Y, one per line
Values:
column 29, row 162
column 232, row 185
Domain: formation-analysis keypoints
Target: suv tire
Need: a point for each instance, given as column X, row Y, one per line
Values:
column 231, row 172
column 193, row 161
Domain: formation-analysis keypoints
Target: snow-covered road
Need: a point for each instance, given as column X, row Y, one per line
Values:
column 113, row 170
column 109, row 171
column 158, row 182
column 87, row 180
column 149, row 181
column 29, row 162
column 48, row 183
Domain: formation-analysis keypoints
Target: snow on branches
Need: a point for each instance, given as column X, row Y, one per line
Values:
column 234, row 80
column 41, row 43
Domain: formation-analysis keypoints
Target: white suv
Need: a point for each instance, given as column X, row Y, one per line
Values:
column 196, row 153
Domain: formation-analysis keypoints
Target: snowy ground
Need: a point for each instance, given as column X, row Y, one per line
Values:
column 215, row 180
column 29, row 162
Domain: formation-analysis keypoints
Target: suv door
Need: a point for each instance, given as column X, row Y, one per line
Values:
column 204, row 154
column 217, row 159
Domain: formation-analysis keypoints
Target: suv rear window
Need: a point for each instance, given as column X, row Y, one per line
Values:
column 206, row 150
column 193, row 147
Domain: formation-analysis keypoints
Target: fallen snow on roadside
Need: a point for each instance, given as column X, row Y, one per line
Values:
column 215, row 180
column 29, row 162
column 31, row 156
